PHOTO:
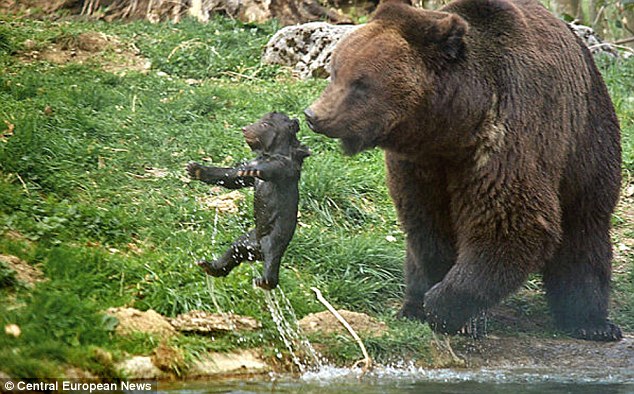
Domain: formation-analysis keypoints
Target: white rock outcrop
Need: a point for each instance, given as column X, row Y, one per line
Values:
column 306, row 48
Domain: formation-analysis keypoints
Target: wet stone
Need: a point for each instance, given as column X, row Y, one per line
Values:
column 139, row 367
column 205, row 322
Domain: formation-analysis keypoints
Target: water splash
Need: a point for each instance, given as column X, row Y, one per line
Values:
column 309, row 350
column 211, row 287
column 302, row 352
column 211, row 281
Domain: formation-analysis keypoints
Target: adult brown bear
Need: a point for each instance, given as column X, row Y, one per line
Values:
column 502, row 150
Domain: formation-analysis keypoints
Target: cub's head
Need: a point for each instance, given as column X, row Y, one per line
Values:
column 274, row 133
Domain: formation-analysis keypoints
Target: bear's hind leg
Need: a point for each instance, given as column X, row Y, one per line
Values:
column 426, row 264
column 577, row 279
column 244, row 248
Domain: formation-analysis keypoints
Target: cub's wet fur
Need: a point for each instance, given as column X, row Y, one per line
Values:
column 275, row 174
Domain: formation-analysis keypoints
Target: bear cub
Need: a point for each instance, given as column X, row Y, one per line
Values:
column 274, row 174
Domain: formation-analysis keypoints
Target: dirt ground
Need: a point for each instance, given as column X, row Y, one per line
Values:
column 24, row 272
column 326, row 323
column 551, row 356
column 107, row 51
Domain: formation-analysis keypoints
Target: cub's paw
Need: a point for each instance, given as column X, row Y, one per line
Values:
column 608, row 332
column 250, row 173
column 266, row 284
column 212, row 268
column 193, row 169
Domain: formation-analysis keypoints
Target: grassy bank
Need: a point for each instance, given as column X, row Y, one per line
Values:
column 93, row 192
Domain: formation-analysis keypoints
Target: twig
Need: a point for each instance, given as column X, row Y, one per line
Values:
column 26, row 189
column 367, row 361
column 624, row 41
column 240, row 75
column 621, row 47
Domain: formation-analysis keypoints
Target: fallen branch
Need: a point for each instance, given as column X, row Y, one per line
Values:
column 624, row 41
column 367, row 361
column 609, row 46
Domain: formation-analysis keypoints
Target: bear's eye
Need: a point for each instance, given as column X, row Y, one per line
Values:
column 361, row 85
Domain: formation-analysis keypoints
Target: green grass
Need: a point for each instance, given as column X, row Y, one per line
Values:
column 92, row 182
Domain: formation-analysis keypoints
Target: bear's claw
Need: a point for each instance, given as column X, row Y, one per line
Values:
column 265, row 284
column 193, row 169
column 609, row 332
column 475, row 328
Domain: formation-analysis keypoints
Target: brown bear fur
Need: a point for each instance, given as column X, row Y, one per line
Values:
column 502, row 151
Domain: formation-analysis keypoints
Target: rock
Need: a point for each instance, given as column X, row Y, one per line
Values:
column 133, row 320
column 78, row 374
column 24, row 272
column 139, row 367
column 326, row 323
column 243, row 362
column 205, row 322
column 4, row 376
column 306, row 48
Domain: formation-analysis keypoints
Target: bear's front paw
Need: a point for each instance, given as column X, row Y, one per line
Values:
column 608, row 332
column 212, row 268
column 193, row 169
column 266, row 284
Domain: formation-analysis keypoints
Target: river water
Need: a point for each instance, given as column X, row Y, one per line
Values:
column 417, row 380
column 320, row 378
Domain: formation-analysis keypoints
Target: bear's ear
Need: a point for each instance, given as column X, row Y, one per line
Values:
column 425, row 30
column 451, row 30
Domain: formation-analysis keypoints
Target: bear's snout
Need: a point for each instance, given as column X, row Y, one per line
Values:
column 320, row 125
column 310, row 118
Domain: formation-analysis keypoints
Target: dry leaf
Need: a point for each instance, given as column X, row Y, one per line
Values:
column 8, row 132
column 156, row 172
column 12, row 330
